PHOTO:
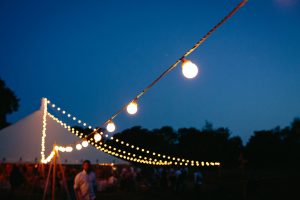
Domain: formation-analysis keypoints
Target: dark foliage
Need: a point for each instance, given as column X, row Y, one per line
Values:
column 267, row 149
column 9, row 103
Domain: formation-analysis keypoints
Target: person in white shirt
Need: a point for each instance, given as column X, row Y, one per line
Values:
column 85, row 182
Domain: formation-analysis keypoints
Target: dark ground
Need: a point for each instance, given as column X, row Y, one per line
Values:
column 280, row 187
column 218, row 183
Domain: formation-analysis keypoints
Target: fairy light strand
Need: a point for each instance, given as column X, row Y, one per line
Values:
column 123, row 143
column 158, row 155
column 44, row 128
column 121, row 153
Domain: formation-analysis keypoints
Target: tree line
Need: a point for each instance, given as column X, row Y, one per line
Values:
column 274, row 148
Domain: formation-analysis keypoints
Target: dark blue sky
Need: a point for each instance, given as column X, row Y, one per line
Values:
column 92, row 57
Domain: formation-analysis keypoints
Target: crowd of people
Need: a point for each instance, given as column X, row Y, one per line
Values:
column 107, row 178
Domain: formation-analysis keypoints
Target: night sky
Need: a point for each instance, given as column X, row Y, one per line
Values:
column 92, row 57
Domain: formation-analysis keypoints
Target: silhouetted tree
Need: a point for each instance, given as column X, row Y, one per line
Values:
column 168, row 133
column 263, row 149
column 275, row 148
column 233, row 150
column 291, row 144
column 266, row 148
column 210, row 144
column 9, row 103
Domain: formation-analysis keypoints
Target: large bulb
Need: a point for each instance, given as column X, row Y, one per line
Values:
column 97, row 137
column 78, row 147
column 132, row 108
column 111, row 127
column 85, row 143
column 189, row 69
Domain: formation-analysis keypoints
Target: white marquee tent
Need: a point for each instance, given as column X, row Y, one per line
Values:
column 21, row 142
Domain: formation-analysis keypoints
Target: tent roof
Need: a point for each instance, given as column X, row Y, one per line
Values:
column 22, row 140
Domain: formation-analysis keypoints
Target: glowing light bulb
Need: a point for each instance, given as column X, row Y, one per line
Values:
column 97, row 137
column 69, row 149
column 132, row 108
column 189, row 69
column 85, row 143
column 62, row 149
column 78, row 147
column 111, row 127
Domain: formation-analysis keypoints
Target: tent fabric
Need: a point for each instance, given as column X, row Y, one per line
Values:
column 21, row 142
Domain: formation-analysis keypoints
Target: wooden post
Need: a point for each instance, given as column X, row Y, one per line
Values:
column 54, row 162
column 63, row 177
column 47, row 181
column 54, row 174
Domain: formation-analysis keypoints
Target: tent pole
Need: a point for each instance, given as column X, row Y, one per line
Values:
column 47, row 181
column 63, row 177
column 54, row 174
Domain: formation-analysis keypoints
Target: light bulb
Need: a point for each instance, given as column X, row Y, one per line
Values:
column 189, row 69
column 111, row 127
column 97, row 137
column 85, row 143
column 78, row 147
column 69, row 149
column 132, row 108
column 62, row 149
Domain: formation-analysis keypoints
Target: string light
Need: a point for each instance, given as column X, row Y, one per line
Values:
column 62, row 149
column 189, row 69
column 49, row 158
column 132, row 108
column 69, row 149
column 78, row 147
column 97, row 137
column 104, row 147
column 127, row 156
column 44, row 128
column 69, row 116
column 84, row 143
column 111, row 127
column 132, row 157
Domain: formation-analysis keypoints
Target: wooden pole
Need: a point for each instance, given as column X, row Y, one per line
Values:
column 54, row 175
column 47, row 181
column 63, row 177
